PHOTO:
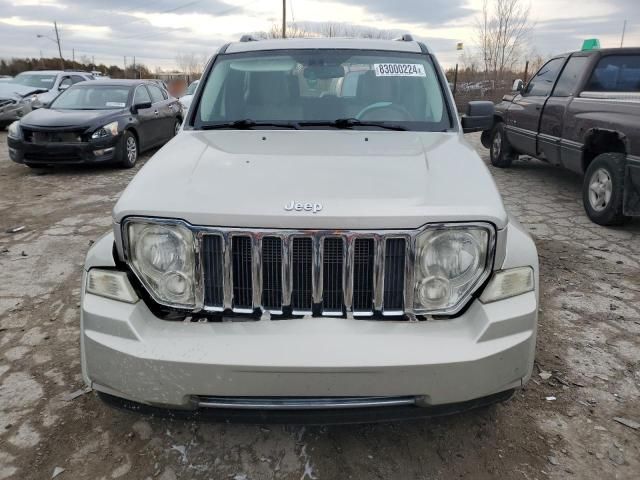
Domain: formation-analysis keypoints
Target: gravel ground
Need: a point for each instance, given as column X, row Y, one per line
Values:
column 588, row 358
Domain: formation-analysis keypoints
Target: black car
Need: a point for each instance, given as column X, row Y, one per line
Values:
column 96, row 122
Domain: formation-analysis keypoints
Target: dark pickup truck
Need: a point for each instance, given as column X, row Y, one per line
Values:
column 580, row 111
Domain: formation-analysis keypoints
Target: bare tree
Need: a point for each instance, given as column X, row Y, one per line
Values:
column 293, row 31
column 190, row 63
column 502, row 31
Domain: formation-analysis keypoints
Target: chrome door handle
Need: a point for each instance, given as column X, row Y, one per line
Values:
column 156, row 113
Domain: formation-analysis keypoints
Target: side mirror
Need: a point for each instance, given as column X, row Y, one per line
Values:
column 140, row 106
column 518, row 86
column 479, row 117
column 62, row 87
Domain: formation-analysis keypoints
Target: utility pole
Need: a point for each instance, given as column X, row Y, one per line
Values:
column 55, row 26
column 73, row 55
column 624, row 29
column 284, row 18
column 124, row 74
column 135, row 73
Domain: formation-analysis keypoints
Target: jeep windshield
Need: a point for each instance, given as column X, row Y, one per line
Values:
column 323, row 89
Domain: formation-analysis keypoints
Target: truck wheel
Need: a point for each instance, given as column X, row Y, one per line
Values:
column 603, row 189
column 500, row 151
column 128, row 150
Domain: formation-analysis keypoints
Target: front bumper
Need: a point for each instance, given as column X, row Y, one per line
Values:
column 54, row 153
column 130, row 353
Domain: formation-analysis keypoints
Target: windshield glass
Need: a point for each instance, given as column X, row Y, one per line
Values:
column 92, row 98
column 192, row 88
column 321, row 86
column 37, row 80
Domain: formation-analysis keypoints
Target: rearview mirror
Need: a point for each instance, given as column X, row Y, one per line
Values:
column 479, row 117
column 140, row 106
column 518, row 86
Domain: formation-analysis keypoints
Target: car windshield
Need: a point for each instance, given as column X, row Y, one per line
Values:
column 324, row 89
column 92, row 97
column 37, row 80
column 192, row 88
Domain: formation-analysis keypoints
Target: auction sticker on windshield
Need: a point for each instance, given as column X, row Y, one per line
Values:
column 399, row 70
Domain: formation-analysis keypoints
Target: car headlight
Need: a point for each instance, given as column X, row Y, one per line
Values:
column 109, row 130
column 162, row 255
column 450, row 263
column 15, row 131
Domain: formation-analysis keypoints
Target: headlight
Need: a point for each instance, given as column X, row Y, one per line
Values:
column 15, row 131
column 450, row 263
column 109, row 130
column 163, row 258
column 35, row 101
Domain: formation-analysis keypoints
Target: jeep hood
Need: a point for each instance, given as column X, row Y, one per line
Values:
column 362, row 179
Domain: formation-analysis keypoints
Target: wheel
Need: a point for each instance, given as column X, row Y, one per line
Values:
column 603, row 189
column 129, row 150
column 176, row 127
column 500, row 151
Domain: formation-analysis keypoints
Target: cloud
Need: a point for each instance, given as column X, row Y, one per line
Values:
column 155, row 32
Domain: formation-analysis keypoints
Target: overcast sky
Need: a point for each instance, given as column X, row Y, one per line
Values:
column 155, row 31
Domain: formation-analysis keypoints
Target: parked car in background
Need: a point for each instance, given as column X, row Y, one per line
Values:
column 49, row 83
column 96, row 122
column 5, row 78
column 297, row 247
column 186, row 99
column 161, row 83
column 15, row 102
column 580, row 111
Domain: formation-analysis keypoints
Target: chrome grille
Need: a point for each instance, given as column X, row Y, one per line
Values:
column 320, row 273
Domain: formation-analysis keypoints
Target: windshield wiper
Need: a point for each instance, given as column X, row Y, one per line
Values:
column 248, row 124
column 348, row 123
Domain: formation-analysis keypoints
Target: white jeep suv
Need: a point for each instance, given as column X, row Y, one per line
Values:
column 319, row 236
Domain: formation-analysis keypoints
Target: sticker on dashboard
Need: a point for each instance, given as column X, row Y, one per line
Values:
column 399, row 70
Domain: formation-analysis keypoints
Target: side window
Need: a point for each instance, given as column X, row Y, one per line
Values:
column 570, row 76
column 141, row 96
column 156, row 94
column 616, row 73
column 77, row 79
column 542, row 83
column 66, row 82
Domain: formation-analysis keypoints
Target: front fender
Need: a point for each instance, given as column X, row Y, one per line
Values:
column 100, row 255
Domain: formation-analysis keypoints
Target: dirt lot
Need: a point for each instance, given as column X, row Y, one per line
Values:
column 589, row 344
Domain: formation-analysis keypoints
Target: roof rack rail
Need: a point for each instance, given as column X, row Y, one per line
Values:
column 248, row 38
column 407, row 37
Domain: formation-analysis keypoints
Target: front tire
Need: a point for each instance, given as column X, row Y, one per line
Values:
column 129, row 150
column 176, row 127
column 500, row 151
column 603, row 189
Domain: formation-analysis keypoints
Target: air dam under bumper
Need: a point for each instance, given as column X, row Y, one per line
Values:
column 130, row 353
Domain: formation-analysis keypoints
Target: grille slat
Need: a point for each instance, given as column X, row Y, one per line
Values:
column 302, row 274
column 213, row 270
column 332, row 266
column 242, row 272
column 394, row 274
column 329, row 273
column 272, row 273
column 363, row 255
